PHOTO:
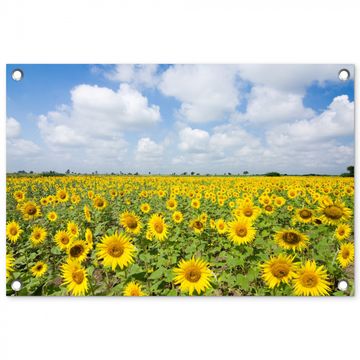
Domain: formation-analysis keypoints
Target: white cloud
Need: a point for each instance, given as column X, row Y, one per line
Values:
column 267, row 105
column 337, row 120
column 92, row 127
column 138, row 75
column 207, row 92
column 13, row 128
column 193, row 140
column 18, row 147
column 148, row 150
column 291, row 77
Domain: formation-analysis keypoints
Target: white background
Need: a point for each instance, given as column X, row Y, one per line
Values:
column 167, row 31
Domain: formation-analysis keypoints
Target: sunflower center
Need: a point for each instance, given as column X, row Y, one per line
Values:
column 241, row 230
column 333, row 212
column 62, row 196
column 76, row 250
column 64, row 240
column 345, row 253
column 305, row 214
column 131, row 223
column 31, row 210
column 280, row 270
column 115, row 250
column 193, row 274
column 198, row 225
column 341, row 232
column 268, row 208
column 78, row 276
column 291, row 238
column 134, row 292
column 221, row 226
column 37, row 236
column 309, row 280
column 39, row 267
column 13, row 231
column 159, row 227
column 248, row 212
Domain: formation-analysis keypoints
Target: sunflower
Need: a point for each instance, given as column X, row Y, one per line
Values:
column 311, row 280
column 248, row 210
column 63, row 239
column 75, row 278
column 343, row 231
column 19, row 196
column 193, row 275
column 158, row 227
column 221, row 226
column 133, row 289
column 346, row 254
column 304, row 215
column 279, row 201
column 38, row 235
column 62, row 195
column 145, row 208
column 195, row 203
column 73, row 229
column 279, row 269
column 9, row 265
column 115, row 250
column 171, row 204
column 268, row 209
column 39, row 269
column 130, row 222
column 30, row 210
column 240, row 231
column 99, row 203
column 291, row 239
column 87, row 213
column 178, row 217
column 13, row 231
column 333, row 213
column 197, row 225
column 52, row 216
column 77, row 250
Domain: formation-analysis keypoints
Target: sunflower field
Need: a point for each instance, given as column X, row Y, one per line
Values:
column 179, row 235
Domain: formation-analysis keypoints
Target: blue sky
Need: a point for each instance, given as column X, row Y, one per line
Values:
column 173, row 118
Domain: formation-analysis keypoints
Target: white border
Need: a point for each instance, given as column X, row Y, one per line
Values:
column 160, row 31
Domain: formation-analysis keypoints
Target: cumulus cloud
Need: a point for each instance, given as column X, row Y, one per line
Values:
column 291, row 77
column 148, row 150
column 94, row 123
column 13, row 128
column 267, row 105
column 337, row 120
column 138, row 75
column 16, row 146
column 206, row 92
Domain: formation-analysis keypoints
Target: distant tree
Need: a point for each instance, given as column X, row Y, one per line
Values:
column 198, row 174
column 31, row 172
column 67, row 171
column 149, row 172
column 229, row 173
column 22, row 172
column 245, row 172
column 192, row 173
column 272, row 173
column 351, row 170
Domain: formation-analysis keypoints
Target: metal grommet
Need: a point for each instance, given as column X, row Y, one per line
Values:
column 344, row 74
column 17, row 74
column 342, row 285
column 16, row 285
